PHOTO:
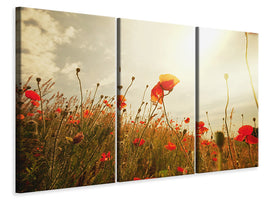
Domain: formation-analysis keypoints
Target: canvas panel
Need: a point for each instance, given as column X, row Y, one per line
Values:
column 227, row 131
column 65, row 94
column 156, row 100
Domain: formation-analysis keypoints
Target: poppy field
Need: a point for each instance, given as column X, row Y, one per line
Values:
column 63, row 142
column 229, row 140
column 151, row 143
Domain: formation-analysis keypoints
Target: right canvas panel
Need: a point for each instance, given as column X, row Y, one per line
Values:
column 227, row 118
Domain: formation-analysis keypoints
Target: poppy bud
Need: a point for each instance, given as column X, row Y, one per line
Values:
column 254, row 119
column 133, row 78
column 97, row 84
column 28, row 87
column 219, row 139
column 101, row 97
column 124, row 110
column 146, row 86
column 226, row 76
column 78, row 138
column 38, row 79
column 78, row 70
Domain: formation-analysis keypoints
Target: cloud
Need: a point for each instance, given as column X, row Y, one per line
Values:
column 40, row 36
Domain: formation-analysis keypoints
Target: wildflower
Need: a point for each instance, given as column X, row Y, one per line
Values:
column 37, row 155
column 180, row 169
column 111, row 133
column 105, row 157
column 30, row 114
column 214, row 159
column 39, row 111
column 78, row 138
column 245, row 132
column 132, row 122
column 58, row 110
column 142, row 122
column 187, row 120
column 35, row 103
column 138, row 142
column 201, row 129
column 87, row 113
column 205, row 142
column 170, row 146
column 20, row 116
column 121, row 102
column 136, row 178
column 166, row 82
column 32, row 95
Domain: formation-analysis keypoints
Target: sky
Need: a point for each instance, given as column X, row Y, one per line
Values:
column 224, row 52
column 54, row 44
column 149, row 49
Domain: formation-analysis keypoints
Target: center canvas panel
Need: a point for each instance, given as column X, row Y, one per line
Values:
column 156, row 100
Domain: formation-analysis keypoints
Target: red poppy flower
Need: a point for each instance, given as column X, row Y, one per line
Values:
column 170, row 146
column 111, row 133
column 182, row 170
column 58, row 110
column 205, row 142
column 121, row 102
column 32, row 95
column 39, row 111
column 245, row 133
column 132, row 121
column 35, row 103
column 187, row 120
column 30, row 114
column 37, row 155
column 214, row 159
column 166, row 82
column 87, row 113
column 136, row 178
column 201, row 129
column 78, row 138
column 105, row 157
column 136, row 142
column 142, row 122
column 20, row 116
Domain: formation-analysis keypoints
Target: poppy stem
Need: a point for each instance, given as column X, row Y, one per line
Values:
column 226, row 127
column 179, row 141
column 42, row 110
column 250, row 77
column 127, row 89
column 92, row 102
column 55, row 144
column 220, row 159
column 77, row 74
column 209, row 125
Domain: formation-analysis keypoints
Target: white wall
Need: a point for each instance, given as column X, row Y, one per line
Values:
column 228, row 14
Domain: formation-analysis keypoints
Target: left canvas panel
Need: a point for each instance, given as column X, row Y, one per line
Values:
column 65, row 87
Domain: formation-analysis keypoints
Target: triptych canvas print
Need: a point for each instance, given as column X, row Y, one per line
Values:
column 101, row 100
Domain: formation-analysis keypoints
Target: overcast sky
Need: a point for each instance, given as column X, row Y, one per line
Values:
column 149, row 49
column 55, row 43
column 224, row 52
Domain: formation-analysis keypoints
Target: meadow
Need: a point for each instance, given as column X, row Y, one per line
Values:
column 63, row 142
column 151, row 143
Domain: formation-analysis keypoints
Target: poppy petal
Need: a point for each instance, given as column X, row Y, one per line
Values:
column 240, row 137
column 250, row 139
column 157, row 94
column 245, row 130
column 168, row 81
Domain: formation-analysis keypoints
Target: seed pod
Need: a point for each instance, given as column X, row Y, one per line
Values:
column 219, row 139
